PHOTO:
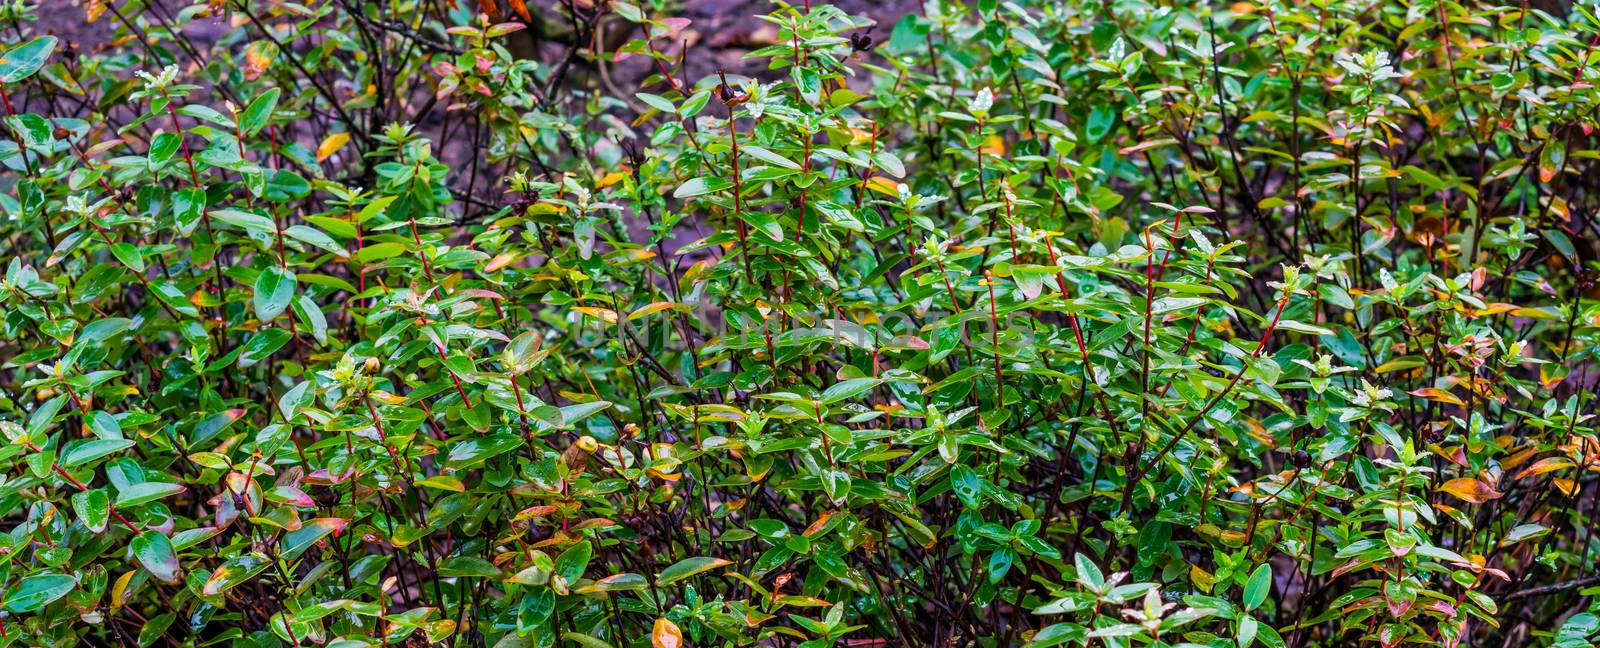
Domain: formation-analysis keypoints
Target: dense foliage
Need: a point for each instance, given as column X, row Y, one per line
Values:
column 479, row 322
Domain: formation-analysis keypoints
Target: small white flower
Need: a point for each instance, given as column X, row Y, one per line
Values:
column 981, row 103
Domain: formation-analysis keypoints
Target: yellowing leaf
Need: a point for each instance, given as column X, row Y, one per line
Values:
column 1520, row 457
column 993, row 145
column 884, row 186
column 119, row 590
column 1438, row 396
column 611, row 178
column 1495, row 309
column 500, row 261
column 1552, row 374
column 443, row 482
column 1552, row 158
column 1401, row 364
column 1470, row 490
column 819, row 524
column 1201, row 578
column 389, row 398
column 257, row 57
column 331, row 145
column 650, row 309
column 665, row 634
column 610, row 316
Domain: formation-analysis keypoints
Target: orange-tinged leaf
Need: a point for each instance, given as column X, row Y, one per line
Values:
column 993, row 145
column 1243, row 8
column 662, row 475
column 1567, row 486
column 490, row 8
column 611, row 178
column 521, row 8
column 1495, row 309
column 1438, row 396
column 1520, row 457
column 538, row 511
column 331, row 145
column 1552, row 158
column 653, row 308
column 610, row 316
column 1147, row 145
column 1453, row 454
column 257, row 57
column 801, row 601
column 665, row 634
column 1545, row 465
column 500, row 261
column 1470, row 490
column 884, row 186
column 1552, row 374
column 817, row 526
column 392, row 399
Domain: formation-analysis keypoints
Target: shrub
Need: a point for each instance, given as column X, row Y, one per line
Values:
column 481, row 323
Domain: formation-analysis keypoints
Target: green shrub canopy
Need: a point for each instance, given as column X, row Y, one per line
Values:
column 482, row 323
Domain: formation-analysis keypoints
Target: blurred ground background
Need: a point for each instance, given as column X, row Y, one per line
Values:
column 719, row 34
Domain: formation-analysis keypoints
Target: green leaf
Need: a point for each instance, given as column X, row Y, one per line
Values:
column 162, row 148
column 255, row 116
column 174, row 298
column 286, row 185
column 572, row 562
column 144, row 492
column 93, row 506
column 298, row 541
column 234, row 572
column 967, row 485
column 315, row 237
column 84, row 451
column 1000, row 562
column 1561, row 242
column 154, row 551
column 701, row 186
column 34, row 592
column 379, row 252
column 150, row 632
column 1257, row 588
column 1088, row 573
column 657, row 102
column 849, row 389
column 129, row 255
column 274, row 290
column 25, row 59
column 470, row 452
column 247, row 221
column 770, row 157
column 1101, row 120
column 262, row 345
column 689, row 567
